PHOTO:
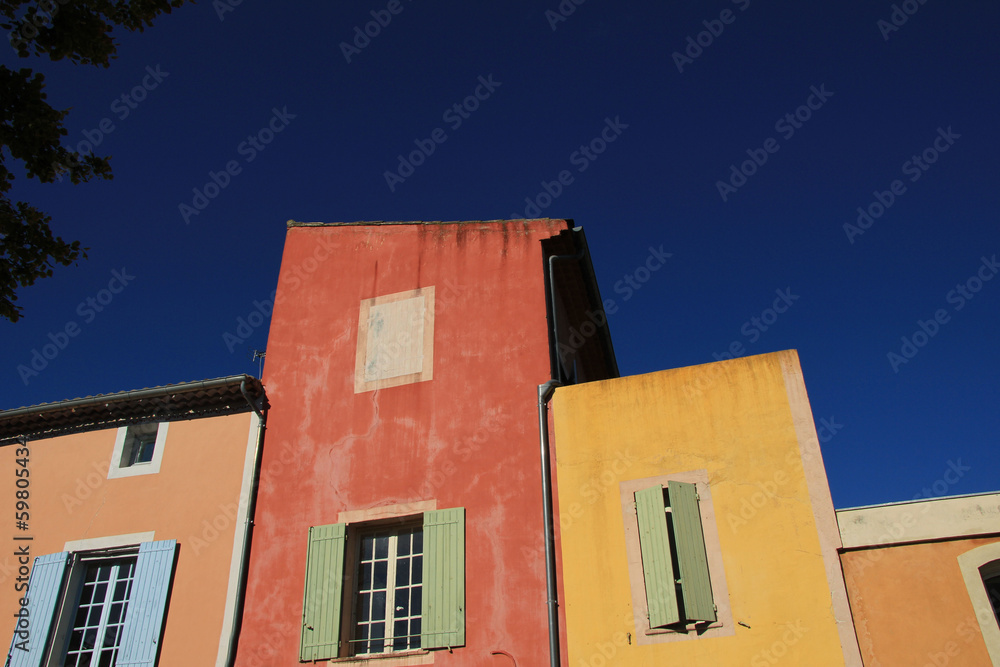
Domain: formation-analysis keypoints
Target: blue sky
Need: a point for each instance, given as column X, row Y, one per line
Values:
column 738, row 136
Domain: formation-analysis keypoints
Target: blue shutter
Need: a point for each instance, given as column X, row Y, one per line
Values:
column 147, row 604
column 657, row 565
column 44, row 588
column 443, row 608
column 320, row 636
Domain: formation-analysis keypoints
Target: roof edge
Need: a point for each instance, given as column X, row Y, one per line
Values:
column 378, row 223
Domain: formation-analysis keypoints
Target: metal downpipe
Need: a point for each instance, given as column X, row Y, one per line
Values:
column 545, row 392
column 234, row 632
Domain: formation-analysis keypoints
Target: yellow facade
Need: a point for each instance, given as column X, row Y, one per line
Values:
column 745, row 428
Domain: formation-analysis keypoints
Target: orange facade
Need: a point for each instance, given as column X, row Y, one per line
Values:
column 916, row 575
column 911, row 607
column 198, row 497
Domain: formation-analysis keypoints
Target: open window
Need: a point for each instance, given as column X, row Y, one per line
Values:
column 382, row 587
column 138, row 450
column 677, row 580
column 96, row 608
column 674, row 562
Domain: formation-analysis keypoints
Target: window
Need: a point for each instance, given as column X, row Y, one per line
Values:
column 992, row 584
column 140, row 442
column 385, row 587
column 96, row 630
column 138, row 450
column 387, row 606
column 96, row 609
column 674, row 561
column 675, row 564
column 980, row 569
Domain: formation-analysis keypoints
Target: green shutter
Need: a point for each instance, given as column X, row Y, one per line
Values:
column 443, row 609
column 657, row 565
column 691, row 555
column 323, row 592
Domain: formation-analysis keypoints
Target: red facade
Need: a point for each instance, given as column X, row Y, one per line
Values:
column 467, row 437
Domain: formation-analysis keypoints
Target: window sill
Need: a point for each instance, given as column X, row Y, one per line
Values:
column 401, row 659
column 696, row 629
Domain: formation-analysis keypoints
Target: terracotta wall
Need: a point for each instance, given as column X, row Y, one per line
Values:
column 467, row 438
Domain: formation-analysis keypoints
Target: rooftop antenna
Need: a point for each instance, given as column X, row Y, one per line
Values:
column 259, row 354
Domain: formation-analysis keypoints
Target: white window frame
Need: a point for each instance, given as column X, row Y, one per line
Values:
column 357, row 534
column 65, row 618
column 57, row 599
column 116, row 470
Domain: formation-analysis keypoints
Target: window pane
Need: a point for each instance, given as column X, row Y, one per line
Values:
column 418, row 542
column 378, row 632
column 399, row 634
column 403, row 545
column 381, row 574
column 367, row 545
column 402, row 572
column 418, row 569
column 145, row 453
column 415, row 600
column 366, row 576
column 364, row 607
column 382, row 546
column 402, row 603
column 378, row 606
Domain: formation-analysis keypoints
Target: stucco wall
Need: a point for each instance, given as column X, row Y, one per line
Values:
column 746, row 423
column 912, row 607
column 193, row 499
column 467, row 438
